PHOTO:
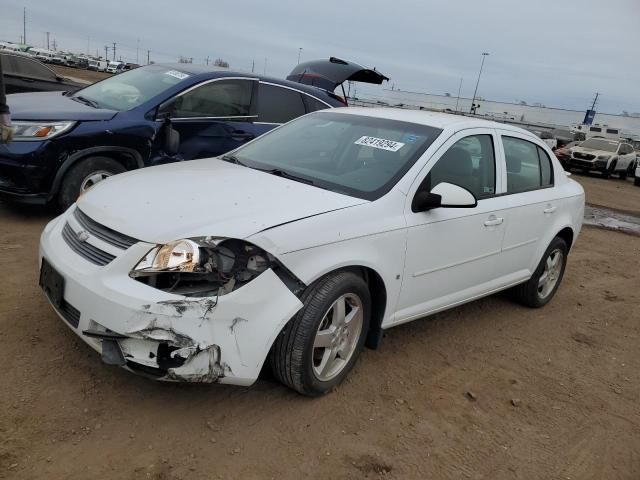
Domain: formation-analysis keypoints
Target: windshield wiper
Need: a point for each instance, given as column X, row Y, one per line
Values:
column 85, row 100
column 284, row 174
column 233, row 159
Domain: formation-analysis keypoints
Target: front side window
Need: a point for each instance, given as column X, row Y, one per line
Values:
column 278, row 104
column 528, row 166
column 220, row 98
column 356, row 155
column 469, row 163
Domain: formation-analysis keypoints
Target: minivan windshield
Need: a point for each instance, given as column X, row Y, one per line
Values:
column 131, row 89
column 357, row 155
column 597, row 144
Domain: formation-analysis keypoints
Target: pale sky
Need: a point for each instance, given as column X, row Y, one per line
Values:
column 556, row 52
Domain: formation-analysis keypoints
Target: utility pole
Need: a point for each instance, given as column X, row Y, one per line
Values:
column 55, row 44
column 106, row 52
column 473, row 101
column 458, row 100
column 88, row 44
column 207, row 59
column 24, row 25
column 265, row 66
column 114, row 51
column 299, row 53
column 148, row 56
column 48, row 40
column 137, row 50
column 253, row 65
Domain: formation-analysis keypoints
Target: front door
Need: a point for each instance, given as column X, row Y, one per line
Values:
column 453, row 254
column 213, row 117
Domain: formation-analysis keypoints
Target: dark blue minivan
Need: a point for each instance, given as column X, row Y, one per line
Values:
column 66, row 142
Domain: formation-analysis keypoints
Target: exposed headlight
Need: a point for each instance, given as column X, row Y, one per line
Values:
column 207, row 266
column 604, row 157
column 37, row 131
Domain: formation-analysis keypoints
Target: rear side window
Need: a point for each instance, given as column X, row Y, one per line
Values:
column 528, row 166
column 278, row 105
column 222, row 98
column 313, row 104
column 469, row 163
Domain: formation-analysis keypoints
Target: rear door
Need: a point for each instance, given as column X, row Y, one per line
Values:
column 530, row 197
column 214, row 117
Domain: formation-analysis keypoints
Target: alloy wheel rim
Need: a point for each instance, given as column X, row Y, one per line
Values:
column 551, row 273
column 95, row 177
column 337, row 337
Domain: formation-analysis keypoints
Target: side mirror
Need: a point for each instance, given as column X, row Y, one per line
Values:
column 445, row 195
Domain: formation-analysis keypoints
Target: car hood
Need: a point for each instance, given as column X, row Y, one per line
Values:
column 207, row 197
column 53, row 106
column 591, row 151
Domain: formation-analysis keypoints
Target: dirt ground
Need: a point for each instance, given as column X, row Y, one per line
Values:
column 79, row 73
column 615, row 194
column 490, row 390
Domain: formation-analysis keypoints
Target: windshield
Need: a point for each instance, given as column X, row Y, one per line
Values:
column 357, row 155
column 131, row 89
column 596, row 144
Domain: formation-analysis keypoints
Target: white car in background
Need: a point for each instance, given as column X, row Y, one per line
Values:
column 606, row 156
column 305, row 244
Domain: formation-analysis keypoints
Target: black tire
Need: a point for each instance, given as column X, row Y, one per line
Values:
column 528, row 292
column 636, row 181
column 607, row 172
column 291, row 356
column 622, row 174
column 73, row 179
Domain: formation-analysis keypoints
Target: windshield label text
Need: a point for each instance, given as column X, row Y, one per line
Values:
column 380, row 143
column 177, row 74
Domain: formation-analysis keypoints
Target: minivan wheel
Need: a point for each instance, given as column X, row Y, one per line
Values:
column 543, row 284
column 83, row 175
column 320, row 345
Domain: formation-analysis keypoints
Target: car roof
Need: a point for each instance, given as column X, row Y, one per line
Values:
column 445, row 121
column 211, row 71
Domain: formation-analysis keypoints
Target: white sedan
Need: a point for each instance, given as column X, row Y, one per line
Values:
column 305, row 244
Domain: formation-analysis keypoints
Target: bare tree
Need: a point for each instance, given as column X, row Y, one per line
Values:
column 221, row 63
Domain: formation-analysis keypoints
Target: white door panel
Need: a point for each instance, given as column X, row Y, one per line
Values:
column 451, row 252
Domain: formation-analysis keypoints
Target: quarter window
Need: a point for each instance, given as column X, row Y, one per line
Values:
column 528, row 166
column 221, row 98
column 469, row 163
column 278, row 105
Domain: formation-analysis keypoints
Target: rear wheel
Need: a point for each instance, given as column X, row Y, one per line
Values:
column 320, row 345
column 542, row 286
column 85, row 174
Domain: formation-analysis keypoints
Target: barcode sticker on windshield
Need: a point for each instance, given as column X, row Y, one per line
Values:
column 381, row 143
column 177, row 74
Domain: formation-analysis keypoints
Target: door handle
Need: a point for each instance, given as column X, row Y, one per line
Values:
column 493, row 221
column 242, row 135
column 549, row 210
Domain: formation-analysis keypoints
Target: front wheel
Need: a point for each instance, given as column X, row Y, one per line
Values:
column 320, row 345
column 636, row 181
column 85, row 174
column 542, row 286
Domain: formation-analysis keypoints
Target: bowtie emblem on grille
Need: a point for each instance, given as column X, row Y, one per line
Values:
column 83, row 236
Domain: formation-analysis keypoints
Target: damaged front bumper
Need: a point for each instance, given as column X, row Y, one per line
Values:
column 169, row 337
